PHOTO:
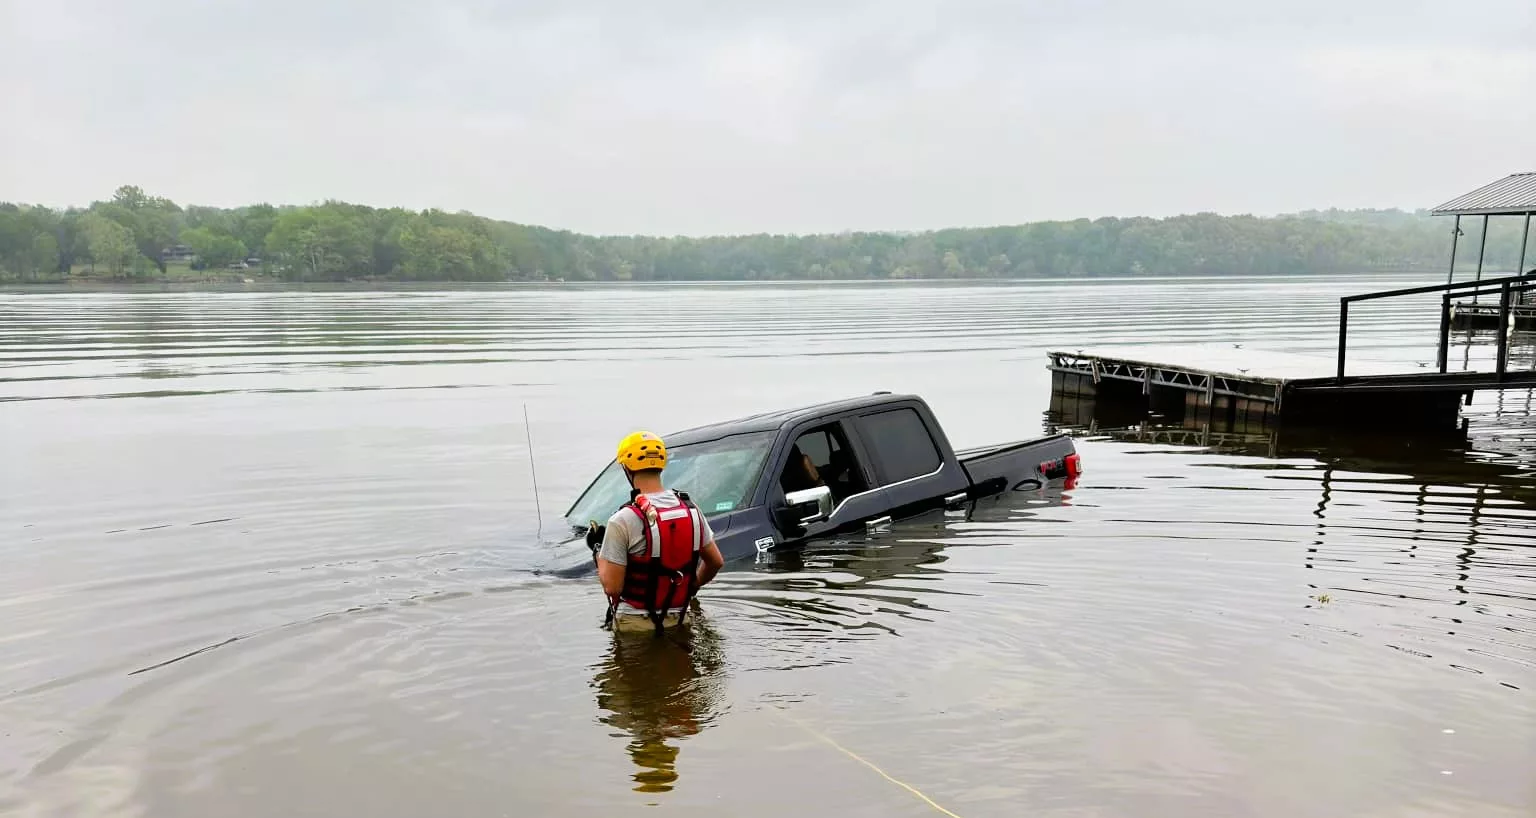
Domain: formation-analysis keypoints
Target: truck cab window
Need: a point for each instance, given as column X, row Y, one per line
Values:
column 901, row 443
column 821, row 457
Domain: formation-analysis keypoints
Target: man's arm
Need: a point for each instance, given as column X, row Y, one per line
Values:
column 613, row 554
column 810, row 469
column 611, row 575
column 710, row 562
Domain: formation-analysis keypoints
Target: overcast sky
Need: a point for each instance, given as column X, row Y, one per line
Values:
column 713, row 116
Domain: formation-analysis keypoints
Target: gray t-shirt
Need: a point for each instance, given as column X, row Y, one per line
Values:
column 624, row 535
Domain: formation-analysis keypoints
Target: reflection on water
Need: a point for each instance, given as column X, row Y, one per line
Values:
column 1436, row 530
column 661, row 690
column 274, row 554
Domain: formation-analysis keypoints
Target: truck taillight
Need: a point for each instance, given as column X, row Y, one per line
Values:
column 1069, row 467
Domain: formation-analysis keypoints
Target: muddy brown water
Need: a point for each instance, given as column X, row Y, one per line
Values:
column 275, row 553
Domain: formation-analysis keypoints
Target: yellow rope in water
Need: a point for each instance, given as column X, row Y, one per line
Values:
column 856, row 757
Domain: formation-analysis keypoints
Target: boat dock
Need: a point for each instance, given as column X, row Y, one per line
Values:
column 1512, row 196
column 1244, row 387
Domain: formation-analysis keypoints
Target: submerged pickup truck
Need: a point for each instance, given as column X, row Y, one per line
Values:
column 784, row 478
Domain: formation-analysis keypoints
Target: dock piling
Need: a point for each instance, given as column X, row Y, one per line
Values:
column 1503, row 340
column 1343, row 332
column 1442, row 358
column 1525, row 236
column 1482, row 251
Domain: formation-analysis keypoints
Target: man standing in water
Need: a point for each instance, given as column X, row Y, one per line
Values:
column 657, row 549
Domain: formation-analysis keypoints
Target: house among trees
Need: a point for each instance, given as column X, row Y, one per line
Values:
column 178, row 254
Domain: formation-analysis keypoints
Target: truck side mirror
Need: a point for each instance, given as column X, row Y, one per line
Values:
column 812, row 505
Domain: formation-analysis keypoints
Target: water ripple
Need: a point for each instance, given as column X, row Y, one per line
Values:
column 274, row 547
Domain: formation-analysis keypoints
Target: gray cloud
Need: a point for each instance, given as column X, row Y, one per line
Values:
column 687, row 116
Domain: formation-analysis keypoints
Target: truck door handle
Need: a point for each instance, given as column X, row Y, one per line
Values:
column 878, row 521
column 955, row 499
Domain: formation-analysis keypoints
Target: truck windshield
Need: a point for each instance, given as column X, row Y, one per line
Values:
column 718, row 476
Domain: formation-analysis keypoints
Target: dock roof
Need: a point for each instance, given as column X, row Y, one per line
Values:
column 1514, row 194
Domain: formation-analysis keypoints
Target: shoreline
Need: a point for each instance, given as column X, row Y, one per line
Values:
column 279, row 285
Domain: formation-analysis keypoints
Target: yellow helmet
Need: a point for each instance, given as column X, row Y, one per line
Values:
column 642, row 450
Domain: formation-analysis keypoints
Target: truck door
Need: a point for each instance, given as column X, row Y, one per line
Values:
column 908, row 463
column 823, row 455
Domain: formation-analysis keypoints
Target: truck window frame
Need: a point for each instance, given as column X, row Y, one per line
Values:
column 842, row 434
column 862, row 449
column 883, row 477
column 773, row 493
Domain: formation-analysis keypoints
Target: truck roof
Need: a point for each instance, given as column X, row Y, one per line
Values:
column 778, row 419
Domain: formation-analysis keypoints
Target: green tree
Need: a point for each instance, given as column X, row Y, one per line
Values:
column 29, row 246
column 212, row 218
column 251, row 226
column 337, row 240
column 322, row 243
column 431, row 252
column 214, row 250
column 130, row 197
column 44, row 257
column 108, row 243
column 153, row 221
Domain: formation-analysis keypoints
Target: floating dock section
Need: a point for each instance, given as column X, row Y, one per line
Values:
column 1243, row 388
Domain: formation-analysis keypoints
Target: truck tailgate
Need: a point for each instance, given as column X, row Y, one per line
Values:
column 995, row 468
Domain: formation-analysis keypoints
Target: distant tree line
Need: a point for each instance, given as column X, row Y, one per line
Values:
column 137, row 236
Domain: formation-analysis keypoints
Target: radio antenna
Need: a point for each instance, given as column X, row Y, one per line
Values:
column 532, row 468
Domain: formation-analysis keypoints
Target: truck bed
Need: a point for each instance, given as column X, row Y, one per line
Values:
column 1002, row 466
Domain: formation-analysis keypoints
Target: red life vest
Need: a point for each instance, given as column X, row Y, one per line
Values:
column 662, row 577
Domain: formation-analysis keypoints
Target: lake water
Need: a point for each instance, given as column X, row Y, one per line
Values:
column 274, row 553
